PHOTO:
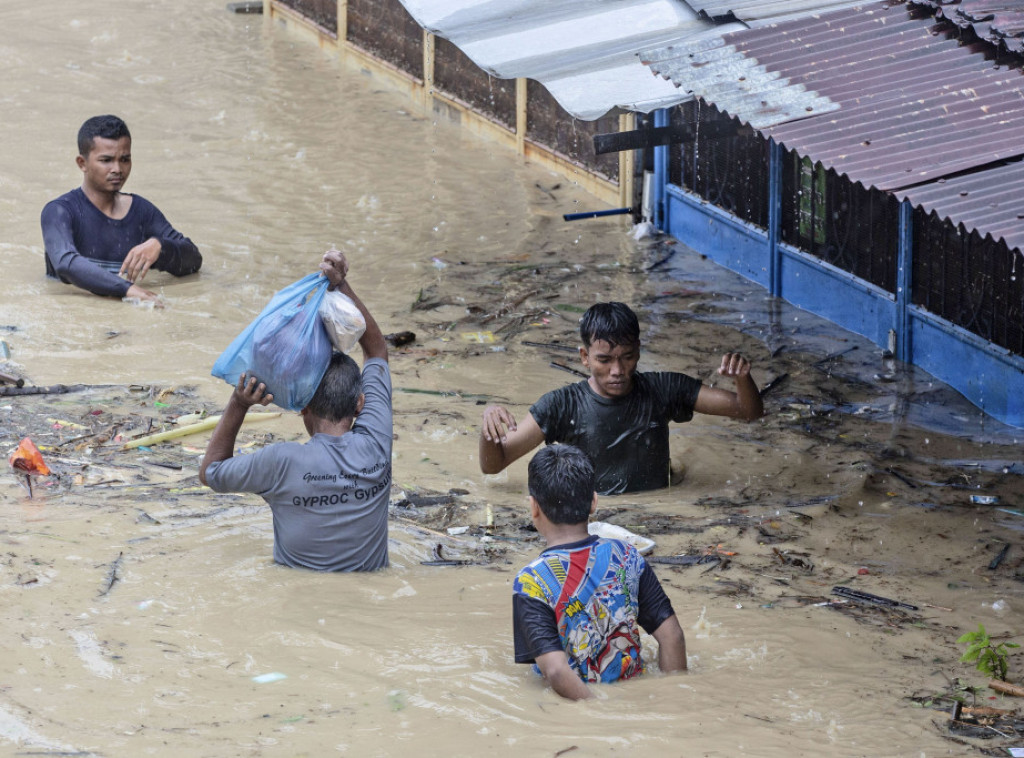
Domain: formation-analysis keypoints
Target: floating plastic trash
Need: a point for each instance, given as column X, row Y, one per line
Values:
column 27, row 459
column 343, row 320
column 273, row 676
column 481, row 337
column 984, row 499
column 614, row 532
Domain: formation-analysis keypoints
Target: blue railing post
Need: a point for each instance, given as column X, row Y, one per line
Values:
column 774, row 217
column 660, row 173
column 904, row 281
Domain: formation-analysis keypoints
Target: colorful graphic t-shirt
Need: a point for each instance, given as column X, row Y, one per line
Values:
column 590, row 592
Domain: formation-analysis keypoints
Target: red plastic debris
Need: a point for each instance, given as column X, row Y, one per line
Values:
column 27, row 459
column 863, row 572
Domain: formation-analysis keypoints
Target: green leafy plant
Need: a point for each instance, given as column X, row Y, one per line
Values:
column 988, row 658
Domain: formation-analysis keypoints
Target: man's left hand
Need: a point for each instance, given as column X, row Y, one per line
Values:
column 140, row 259
column 735, row 365
column 335, row 268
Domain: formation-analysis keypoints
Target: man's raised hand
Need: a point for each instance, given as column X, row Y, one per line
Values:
column 335, row 268
column 251, row 391
column 496, row 418
column 734, row 364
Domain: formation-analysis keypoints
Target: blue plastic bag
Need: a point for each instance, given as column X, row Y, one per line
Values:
column 286, row 347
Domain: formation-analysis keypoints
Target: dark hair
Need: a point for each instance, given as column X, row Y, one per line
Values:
column 561, row 479
column 337, row 395
column 615, row 323
column 107, row 127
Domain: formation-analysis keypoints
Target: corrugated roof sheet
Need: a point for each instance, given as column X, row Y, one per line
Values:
column 760, row 10
column 990, row 202
column 582, row 51
column 888, row 100
column 1001, row 23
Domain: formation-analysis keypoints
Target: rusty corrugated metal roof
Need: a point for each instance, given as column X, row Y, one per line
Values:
column 998, row 21
column 990, row 202
column 760, row 10
column 584, row 51
column 905, row 103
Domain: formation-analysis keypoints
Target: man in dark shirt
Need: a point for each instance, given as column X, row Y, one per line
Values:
column 619, row 416
column 104, row 240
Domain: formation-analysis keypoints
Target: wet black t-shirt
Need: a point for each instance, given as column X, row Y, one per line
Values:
column 627, row 437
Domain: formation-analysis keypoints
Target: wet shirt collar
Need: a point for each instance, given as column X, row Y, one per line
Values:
column 573, row 545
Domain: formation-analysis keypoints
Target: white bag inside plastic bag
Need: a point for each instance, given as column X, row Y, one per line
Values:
column 342, row 320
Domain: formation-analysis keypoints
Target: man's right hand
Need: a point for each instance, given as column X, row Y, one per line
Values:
column 135, row 291
column 503, row 441
column 496, row 418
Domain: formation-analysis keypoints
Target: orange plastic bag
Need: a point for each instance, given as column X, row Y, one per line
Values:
column 27, row 459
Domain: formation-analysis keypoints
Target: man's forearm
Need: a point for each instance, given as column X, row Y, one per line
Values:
column 568, row 684
column 671, row 645
column 88, row 275
column 492, row 456
column 178, row 256
column 748, row 398
column 372, row 342
column 222, row 442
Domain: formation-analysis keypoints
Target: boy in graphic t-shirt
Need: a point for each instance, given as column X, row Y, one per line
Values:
column 578, row 608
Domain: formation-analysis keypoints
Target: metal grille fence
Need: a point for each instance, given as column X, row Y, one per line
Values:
column 456, row 75
column 854, row 229
column 975, row 283
column 385, row 29
column 730, row 172
column 548, row 124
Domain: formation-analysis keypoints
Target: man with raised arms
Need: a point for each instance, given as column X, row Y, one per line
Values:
column 619, row 416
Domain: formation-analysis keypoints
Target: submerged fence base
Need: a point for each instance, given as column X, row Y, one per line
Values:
column 383, row 41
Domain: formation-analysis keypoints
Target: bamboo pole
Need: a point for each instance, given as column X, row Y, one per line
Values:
column 1006, row 688
column 184, row 431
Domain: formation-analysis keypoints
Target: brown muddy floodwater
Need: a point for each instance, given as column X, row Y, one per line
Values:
column 139, row 607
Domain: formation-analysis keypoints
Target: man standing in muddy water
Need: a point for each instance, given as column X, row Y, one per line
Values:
column 619, row 416
column 328, row 496
column 102, row 239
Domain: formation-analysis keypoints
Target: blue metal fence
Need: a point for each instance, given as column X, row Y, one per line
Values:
column 990, row 376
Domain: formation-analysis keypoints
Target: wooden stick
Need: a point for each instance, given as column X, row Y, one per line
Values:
column 568, row 369
column 112, row 574
column 552, row 346
column 56, row 389
column 184, row 431
column 17, row 381
column 1006, row 688
column 984, row 710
